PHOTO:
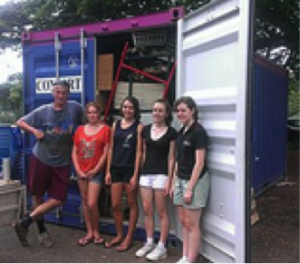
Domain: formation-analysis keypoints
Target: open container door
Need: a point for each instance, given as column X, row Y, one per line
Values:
column 213, row 67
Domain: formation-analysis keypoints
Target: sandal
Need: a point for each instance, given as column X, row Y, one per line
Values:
column 112, row 243
column 124, row 247
column 99, row 240
column 84, row 241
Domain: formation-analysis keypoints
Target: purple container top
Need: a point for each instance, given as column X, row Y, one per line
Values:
column 125, row 24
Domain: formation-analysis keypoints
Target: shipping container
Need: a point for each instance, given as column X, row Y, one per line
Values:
column 212, row 51
column 269, row 122
column 11, row 147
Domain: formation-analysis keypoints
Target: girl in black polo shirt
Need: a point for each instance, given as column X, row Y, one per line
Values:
column 191, row 185
column 156, row 177
column 124, row 158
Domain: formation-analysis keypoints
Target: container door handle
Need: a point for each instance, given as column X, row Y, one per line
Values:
column 57, row 46
column 83, row 45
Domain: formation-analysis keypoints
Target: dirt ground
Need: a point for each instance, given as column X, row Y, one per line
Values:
column 275, row 237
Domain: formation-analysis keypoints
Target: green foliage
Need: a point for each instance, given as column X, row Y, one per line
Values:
column 12, row 22
column 277, row 26
column 47, row 14
column 11, row 98
column 294, row 96
column 293, row 102
column 277, row 23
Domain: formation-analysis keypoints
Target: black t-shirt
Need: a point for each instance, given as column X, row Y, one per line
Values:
column 187, row 144
column 157, row 151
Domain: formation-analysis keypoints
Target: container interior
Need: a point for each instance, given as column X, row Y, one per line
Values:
column 152, row 52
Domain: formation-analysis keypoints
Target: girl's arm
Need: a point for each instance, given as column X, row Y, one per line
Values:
column 171, row 164
column 109, row 155
column 200, row 155
column 144, row 149
column 171, row 192
column 75, row 162
column 138, row 158
column 101, row 163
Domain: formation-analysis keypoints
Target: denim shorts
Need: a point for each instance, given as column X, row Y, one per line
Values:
column 200, row 192
column 98, row 178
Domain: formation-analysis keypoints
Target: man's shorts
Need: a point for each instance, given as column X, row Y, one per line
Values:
column 200, row 192
column 121, row 175
column 44, row 178
column 154, row 181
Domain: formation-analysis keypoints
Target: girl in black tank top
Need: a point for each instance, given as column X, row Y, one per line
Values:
column 122, row 169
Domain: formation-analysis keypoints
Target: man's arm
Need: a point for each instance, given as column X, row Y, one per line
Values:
column 30, row 129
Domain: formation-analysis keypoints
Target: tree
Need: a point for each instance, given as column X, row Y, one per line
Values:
column 277, row 21
column 11, row 98
column 12, row 22
column 41, row 14
column 277, row 32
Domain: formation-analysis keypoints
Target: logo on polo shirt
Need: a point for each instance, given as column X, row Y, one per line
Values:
column 187, row 143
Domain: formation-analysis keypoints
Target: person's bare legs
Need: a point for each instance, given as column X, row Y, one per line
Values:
column 83, row 187
column 36, row 201
column 132, row 196
column 45, row 207
column 160, row 202
column 93, row 195
column 147, row 201
column 116, row 200
column 192, row 223
column 181, row 217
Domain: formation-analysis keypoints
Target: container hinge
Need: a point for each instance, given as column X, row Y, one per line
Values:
column 57, row 43
column 83, row 45
column 83, row 40
column 57, row 46
column 58, row 212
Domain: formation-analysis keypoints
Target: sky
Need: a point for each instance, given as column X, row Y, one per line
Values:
column 10, row 61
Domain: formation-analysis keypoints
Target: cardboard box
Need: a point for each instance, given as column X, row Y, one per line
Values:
column 105, row 70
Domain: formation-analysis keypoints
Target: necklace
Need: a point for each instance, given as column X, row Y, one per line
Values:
column 158, row 131
column 187, row 127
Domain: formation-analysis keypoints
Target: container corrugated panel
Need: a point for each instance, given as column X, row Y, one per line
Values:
column 6, row 143
column 40, row 71
column 269, row 124
column 11, row 147
column 41, row 68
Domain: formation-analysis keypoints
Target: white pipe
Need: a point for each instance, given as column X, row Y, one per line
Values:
column 6, row 169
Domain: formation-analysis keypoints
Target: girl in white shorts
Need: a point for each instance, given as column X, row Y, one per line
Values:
column 156, row 177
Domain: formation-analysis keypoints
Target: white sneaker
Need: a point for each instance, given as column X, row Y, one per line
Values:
column 182, row 260
column 144, row 250
column 157, row 254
